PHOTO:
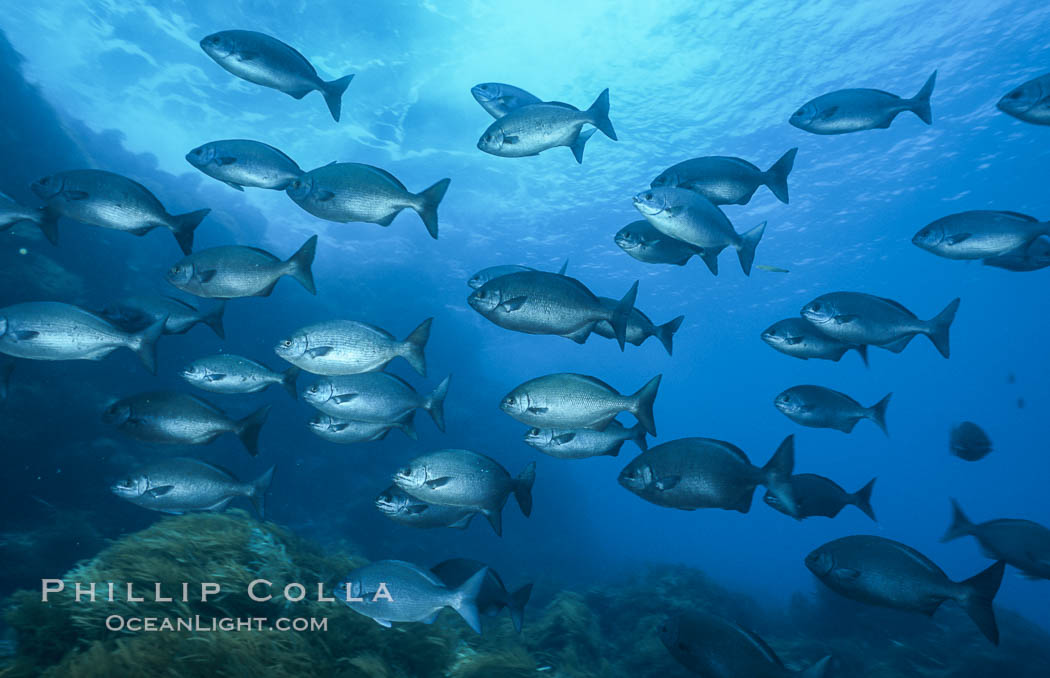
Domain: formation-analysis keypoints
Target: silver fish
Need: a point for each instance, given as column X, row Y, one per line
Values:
column 713, row 647
column 498, row 99
column 819, row 496
column 266, row 61
column 1021, row 543
column 856, row 110
column 112, row 201
column 376, row 397
column 478, row 280
column 727, row 180
column 51, row 330
column 882, row 572
column 645, row 243
column 237, row 271
column 582, row 443
column 798, row 338
column 139, row 311
column 536, row 302
column 242, row 162
column 529, row 130
column 12, row 212
column 228, row 373
column 338, row 347
column 820, row 407
column 639, row 327
column 349, row 191
column 857, row 318
column 1034, row 257
column 568, row 401
column 346, row 431
column 183, row 484
column 980, row 234
column 1029, row 102
column 403, row 508
column 696, row 473
column 181, row 419
column 692, row 218
column 413, row 594
column 467, row 479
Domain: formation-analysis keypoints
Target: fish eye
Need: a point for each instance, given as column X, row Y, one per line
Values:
column 534, row 431
column 648, row 196
column 406, row 471
column 799, row 113
column 1016, row 94
column 313, row 389
column 815, row 306
column 286, row 342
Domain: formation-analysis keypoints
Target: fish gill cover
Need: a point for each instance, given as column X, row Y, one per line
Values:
column 873, row 181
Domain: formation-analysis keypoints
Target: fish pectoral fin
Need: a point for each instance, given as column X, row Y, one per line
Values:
column 416, row 509
column 339, row 427
column 324, row 196
column 247, row 56
column 675, row 210
column 845, row 319
column 437, row 482
column 793, row 341
column 226, row 160
column 160, row 490
column 565, row 438
column 345, row 398
column 74, row 195
column 958, row 238
column 512, row 139
column 432, row 618
column 319, row 351
column 26, row 335
column 668, row 483
column 215, row 377
column 205, row 276
column 513, row 304
column 845, row 574
column 384, row 623
column 537, row 410
column 829, row 113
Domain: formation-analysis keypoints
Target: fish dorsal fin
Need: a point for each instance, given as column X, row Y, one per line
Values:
column 1018, row 215
column 211, row 465
column 759, row 644
column 593, row 381
column 897, row 305
column 919, row 558
column 386, row 175
column 280, row 153
column 730, row 448
column 268, row 255
column 180, row 302
column 426, row 574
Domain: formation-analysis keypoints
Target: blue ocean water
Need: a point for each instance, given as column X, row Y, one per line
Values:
column 125, row 87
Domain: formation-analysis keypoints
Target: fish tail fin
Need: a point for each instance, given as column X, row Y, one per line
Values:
column 407, row 424
column 665, row 333
column 249, row 427
column 862, row 351
column 622, row 313
column 877, row 413
column 523, row 488
column 434, row 403
column 333, row 94
column 47, row 222
column 961, row 525
column 642, row 404
column 465, row 599
column 745, row 251
column 862, row 499
column 213, row 319
column 258, row 489
column 6, row 368
column 144, row 344
column 920, row 103
column 428, row 205
column 300, row 265
column 413, row 345
column 818, row 670
column 976, row 597
column 577, row 146
column 638, row 436
column 776, row 475
column 777, row 175
column 288, row 378
column 939, row 326
column 599, row 114
column 516, row 605
column 183, row 227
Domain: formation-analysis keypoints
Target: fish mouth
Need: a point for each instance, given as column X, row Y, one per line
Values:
column 481, row 94
column 625, row 243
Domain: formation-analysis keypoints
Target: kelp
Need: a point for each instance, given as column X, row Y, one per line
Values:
column 607, row 631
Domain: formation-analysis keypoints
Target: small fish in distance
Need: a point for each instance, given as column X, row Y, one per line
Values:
column 800, row 339
column 228, row 373
column 347, row 431
column 856, row 110
column 820, row 407
column 242, row 162
column 183, row 484
column 140, row 311
column 969, row 442
column 404, row 509
column 582, row 443
column 644, row 242
column 236, row 271
column 727, row 180
column 12, row 212
column 819, row 496
column 499, row 99
column 265, row 60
